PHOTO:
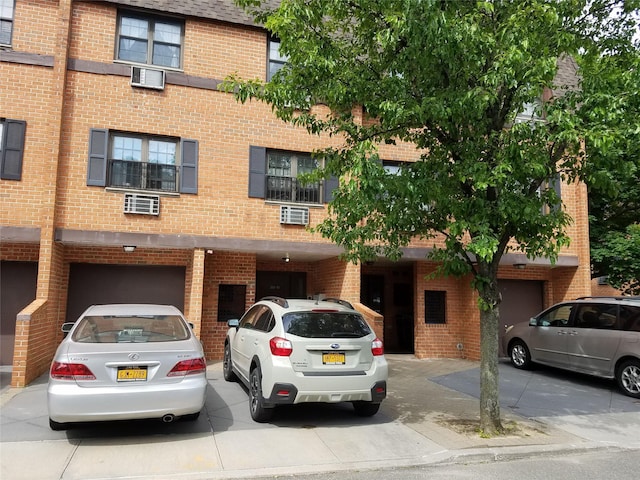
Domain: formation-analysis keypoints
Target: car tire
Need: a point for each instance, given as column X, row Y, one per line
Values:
column 227, row 366
column 520, row 355
column 57, row 426
column 628, row 377
column 366, row 409
column 259, row 413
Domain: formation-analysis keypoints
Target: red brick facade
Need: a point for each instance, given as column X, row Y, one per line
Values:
column 65, row 82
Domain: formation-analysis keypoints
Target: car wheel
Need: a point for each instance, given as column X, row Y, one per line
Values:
column 366, row 409
column 227, row 368
column 520, row 356
column 628, row 377
column 259, row 412
column 57, row 426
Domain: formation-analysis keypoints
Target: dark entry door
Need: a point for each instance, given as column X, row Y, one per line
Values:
column 281, row 284
column 18, row 282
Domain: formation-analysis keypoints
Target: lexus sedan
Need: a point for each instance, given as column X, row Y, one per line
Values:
column 293, row 351
column 125, row 362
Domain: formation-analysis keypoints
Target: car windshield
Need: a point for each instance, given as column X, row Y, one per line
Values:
column 131, row 329
column 325, row 325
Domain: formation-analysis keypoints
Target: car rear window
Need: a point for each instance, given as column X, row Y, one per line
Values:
column 131, row 329
column 325, row 325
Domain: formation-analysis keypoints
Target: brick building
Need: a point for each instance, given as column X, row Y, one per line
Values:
column 126, row 176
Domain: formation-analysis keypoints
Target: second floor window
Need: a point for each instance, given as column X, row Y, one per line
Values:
column 6, row 21
column 145, row 163
column 283, row 184
column 149, row 40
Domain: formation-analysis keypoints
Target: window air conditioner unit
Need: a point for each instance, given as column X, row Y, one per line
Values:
column 141, row 204
column 147, row 78
column 294, row 215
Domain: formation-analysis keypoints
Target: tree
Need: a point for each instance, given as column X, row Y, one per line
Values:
column 449, row 78
column 614, row 194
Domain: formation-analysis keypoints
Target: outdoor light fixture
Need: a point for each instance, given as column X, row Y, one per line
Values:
column 519, row 266
column 129, row 248
column 286, row 258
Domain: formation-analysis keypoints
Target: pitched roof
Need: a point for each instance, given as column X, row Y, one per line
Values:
column 222, row 10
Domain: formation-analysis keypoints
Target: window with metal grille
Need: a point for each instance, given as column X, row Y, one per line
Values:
column 142, row 162
column 283, row 184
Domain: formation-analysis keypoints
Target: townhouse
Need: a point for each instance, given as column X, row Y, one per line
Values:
column 127, row 176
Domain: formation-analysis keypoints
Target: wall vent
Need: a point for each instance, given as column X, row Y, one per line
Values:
column 147, row 78
column 294, row 215
column 141, row 204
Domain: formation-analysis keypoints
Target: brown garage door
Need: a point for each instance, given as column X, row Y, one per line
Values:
column 17, row 290
column 521, row 299
column 91, row 284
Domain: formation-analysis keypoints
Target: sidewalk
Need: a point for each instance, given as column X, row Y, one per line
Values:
column 427, row 418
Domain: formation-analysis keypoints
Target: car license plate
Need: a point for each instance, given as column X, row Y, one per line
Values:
column 333, row 358
column 132, row 374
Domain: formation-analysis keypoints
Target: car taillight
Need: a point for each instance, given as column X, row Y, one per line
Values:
column 188, row 367
column 280, row 347
column 377, row 348
column 71, row 371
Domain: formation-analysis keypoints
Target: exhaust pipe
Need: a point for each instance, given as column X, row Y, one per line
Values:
column 168, row 418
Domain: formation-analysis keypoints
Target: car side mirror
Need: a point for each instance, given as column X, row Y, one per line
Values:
column 233, row 323
column 533, row 322
column 66, row 328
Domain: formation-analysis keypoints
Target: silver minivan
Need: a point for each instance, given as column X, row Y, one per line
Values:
column 594, row 335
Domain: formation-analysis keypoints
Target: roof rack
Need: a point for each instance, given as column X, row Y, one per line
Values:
column 277, row 300
column 610, row 297
column 344, row 303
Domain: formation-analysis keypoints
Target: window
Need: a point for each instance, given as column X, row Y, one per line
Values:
column 6, row 21
column 435, row 302
column 276, row 60
column 11, row 148
column 142, row 162
column 231, row 301
column 557, row 317
column 283, row 170
column 273, row 176
column 149, row 40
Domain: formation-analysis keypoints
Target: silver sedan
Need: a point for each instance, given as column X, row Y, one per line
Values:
column 125, row 362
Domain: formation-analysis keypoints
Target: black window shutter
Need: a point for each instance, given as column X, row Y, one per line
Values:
column 189, row 166
column 12, row 149
column 330, row 184
column 98, row 149
column 257, row 171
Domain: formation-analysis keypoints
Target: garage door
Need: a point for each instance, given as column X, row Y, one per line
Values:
column 17, row 290
column 91, row 284
column 521, row 299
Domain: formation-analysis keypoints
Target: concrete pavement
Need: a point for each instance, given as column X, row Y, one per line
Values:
column 429, row 416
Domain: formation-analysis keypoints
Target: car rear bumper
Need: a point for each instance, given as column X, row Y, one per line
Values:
column 67, row 402
column 367, row 386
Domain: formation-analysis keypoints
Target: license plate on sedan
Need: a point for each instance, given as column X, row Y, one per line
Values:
column 132, row 374
column 333, row 358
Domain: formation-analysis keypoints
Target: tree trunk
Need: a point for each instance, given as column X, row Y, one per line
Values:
column 489, row 387
column 490, row 423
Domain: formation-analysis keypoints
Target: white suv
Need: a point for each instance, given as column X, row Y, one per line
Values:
column 295, row 351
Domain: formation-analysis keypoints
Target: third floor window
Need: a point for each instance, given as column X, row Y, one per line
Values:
column 6, row 21
column 149, row 40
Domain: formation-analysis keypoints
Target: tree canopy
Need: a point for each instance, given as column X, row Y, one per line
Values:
column 474, row 87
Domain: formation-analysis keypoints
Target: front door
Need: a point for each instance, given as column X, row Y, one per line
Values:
column 281, row 284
